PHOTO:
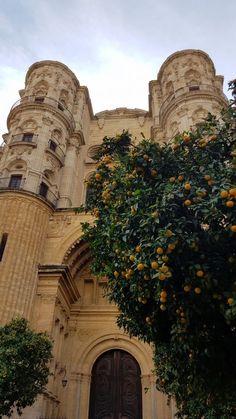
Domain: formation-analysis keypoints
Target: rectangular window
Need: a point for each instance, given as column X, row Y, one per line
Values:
column 15, row 182
column 3, row 241
column 39, row 99
column 28, row 137
column 52, row 145
column 43, row 190
column 192, row 88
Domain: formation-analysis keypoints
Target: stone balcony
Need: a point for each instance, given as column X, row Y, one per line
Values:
column 45, row 101
column 18, row 183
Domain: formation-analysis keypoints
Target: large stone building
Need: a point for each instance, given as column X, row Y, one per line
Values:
column 44, row 264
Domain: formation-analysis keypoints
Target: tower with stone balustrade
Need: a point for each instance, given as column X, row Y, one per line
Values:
column 44, row 262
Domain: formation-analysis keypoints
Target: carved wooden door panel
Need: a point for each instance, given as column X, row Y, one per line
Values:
column 116, row 387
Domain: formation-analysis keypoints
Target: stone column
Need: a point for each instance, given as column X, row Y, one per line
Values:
column 68, row 174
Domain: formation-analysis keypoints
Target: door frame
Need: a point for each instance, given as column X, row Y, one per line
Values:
column 114, row 358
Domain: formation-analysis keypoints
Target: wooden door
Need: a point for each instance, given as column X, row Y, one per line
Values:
column 115, row 387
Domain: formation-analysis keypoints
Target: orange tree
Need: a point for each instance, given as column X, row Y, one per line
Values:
column 24, row 369
column 165, row 237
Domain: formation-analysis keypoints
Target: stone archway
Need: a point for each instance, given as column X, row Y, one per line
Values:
column 154, row 403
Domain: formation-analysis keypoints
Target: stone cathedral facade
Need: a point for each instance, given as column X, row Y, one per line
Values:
column 44, row 263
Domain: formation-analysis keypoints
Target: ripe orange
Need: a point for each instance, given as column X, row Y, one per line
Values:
column 233, row 228
column 197, row 290
column 207, row 177
column 138, row 249
column 162, row 277
column 232, row 191
column 140, row 267
column 172, row 179
column 132, row 258
column 187, row 202
column 200, row 274
column 171, row 246
column 224, row 194
column 148, row 320
column 116, row 274
column 164, row 269
column 98, row 176
column 187, row 288
column 159, row 251
column 154, row 265
column 163, row 307
column 175, row 146
column 163, row 294
column 153, row 172
column 230, row 301
column 187, row 186
column 180, row 177
column 229, row 204
column 163, row 299
column 186, row 137
column 168, row 233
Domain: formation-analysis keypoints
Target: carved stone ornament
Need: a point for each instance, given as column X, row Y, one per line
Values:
column 47, row 121
column 101, row 122
column 141, row 120
column 29, row 125
column 53, row 163
column 182, row 111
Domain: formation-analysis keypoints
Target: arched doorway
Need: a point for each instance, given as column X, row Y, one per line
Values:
column 115, row 387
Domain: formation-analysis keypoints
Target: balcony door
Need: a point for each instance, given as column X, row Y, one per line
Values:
column 115, row 387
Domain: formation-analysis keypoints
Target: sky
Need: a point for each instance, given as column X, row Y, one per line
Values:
column 115, row 47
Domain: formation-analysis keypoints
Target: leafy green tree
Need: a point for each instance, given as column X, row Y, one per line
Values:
column 165, row 237
column 24, row 357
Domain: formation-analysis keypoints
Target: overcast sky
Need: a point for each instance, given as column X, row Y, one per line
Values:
column 115, row 47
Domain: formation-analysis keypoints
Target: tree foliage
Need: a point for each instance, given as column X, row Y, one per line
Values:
column 24, row 357
column 165, row 237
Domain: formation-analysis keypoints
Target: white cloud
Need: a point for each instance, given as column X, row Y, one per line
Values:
column 11, row 81
column 114, row 47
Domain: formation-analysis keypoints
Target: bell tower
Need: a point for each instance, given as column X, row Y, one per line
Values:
column 38, row 167
column 186, row 89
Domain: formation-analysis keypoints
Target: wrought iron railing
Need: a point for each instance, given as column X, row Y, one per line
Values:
column 182, row 91
column 24, row 138
column 20, row 184
column 56, row 149
column 47, row 101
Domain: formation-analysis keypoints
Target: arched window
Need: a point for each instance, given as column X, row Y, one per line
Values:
column 43, row 189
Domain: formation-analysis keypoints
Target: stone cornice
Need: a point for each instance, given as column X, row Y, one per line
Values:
column 121, row 113
column 57, row 278
column 24, row 196
column 33, row 106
